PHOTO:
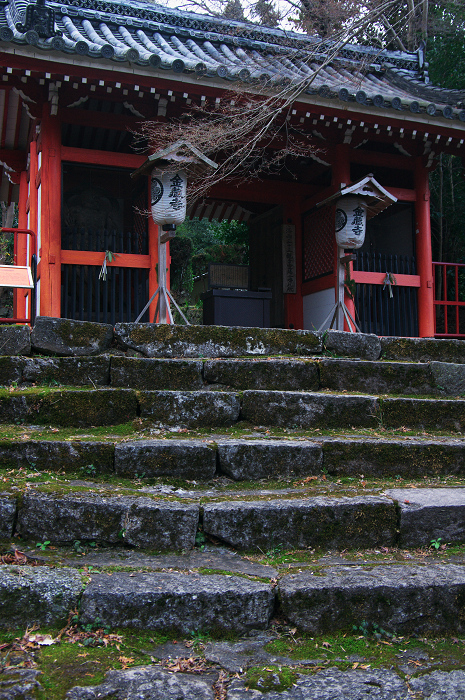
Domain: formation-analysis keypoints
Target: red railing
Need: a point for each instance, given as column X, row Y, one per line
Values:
column 30, row 259
column 449, row 300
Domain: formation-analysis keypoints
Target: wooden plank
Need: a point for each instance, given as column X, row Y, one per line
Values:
column 16, row 276
column 83, row 257
column 378, row 278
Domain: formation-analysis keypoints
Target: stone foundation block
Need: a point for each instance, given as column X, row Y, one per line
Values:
column 430, row 514
column 178, row 602
column 15, row 340
column 62, row 336
column 428, row 414
column 377, row 377
column 71, row 371
column 60, row 455
column 423, row 350
column 7, row 515
column 337, row 523
column 268, row 459
column 308, row 410
column 37, row 595
column 367, row 346
column 166, row 340
column 141, row 522
column 287, row 375
column 145, row 373
column 190, row 409
column 181, row 459
column 401, row 599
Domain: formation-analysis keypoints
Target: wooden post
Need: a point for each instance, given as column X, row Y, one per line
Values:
column 50, row 225
column 153, row 276
column 341, row 176
column 20, row 296
column 423, row 251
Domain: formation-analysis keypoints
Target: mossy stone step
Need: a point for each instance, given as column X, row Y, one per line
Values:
column 296, row 374
column 241, row 459
column 178, row 602
column 404, row 599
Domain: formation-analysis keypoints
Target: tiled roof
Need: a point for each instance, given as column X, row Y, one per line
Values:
column 166, row 39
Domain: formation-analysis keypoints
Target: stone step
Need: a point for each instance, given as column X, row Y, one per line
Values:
column 240, row 459
column 426, row 599
column 401, row 599
column 251, row 521
column 382, row 377
column 194, row 409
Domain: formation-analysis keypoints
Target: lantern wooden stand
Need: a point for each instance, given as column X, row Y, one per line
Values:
column 367, row 198
column 168, row 169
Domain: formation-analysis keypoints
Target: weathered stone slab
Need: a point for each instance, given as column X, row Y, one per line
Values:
column 182, row 459
column 428, row 414
column 147, row 683
column 7, row 515
column 449, row 378
column 398, row 598
column 17, row 683
column 308, row 410
column 166, row 340
column 190, row 408
column 423, row 349
column 178, row 602
column 37, row 595
column 59, row 455
column 11, row 370
column 314, row 522
column 367, row 346
column 141, row 522
column 440, row 684
column 72, row 371
column 152, row 373
column 62, row 336
column 262, row 459
column 407, row 458
column 377, row 377
column 333, row 684
column 69, row 407
column 430, row 514
column 15, row 340
column 286, row 375
column 236, row 657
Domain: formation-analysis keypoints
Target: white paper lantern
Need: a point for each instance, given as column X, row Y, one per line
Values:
column 351, row 220
column 168, row 196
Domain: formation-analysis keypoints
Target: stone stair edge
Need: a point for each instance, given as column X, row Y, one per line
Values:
column 67, row 337
column 407, row 599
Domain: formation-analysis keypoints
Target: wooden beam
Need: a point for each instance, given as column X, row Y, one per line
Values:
column 85, row 155
column 99, row 120
column 14, row 159
column 87, row 257
column 379, row 277
column 387, row 160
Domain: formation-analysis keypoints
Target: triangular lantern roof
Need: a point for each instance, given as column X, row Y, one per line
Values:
column 377, row 197
column 182, row 154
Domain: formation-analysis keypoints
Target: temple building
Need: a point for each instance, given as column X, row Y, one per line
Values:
column 78, row 79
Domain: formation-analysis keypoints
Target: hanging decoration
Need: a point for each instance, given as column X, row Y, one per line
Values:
column 351, row 217
column 108, row 258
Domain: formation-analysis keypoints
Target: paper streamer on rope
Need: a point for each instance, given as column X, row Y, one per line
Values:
column 168, row 196
column 350, row 222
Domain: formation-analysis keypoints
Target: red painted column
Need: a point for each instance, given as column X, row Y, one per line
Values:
column 341, row 176
column 423, row 251
column 50, row 284
column 20, row 295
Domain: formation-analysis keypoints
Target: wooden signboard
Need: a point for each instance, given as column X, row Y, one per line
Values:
column 16, row 276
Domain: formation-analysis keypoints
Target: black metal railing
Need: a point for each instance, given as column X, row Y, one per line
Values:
column 118, row 299
column 377, row 311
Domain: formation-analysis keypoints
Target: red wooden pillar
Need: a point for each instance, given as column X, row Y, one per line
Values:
column 341, row 176
column 50, row 224
column 293, row 303
column 423, row 251
column 20, row 295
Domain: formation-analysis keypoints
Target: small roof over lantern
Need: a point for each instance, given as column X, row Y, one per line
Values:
column 179, row 155
column 375, row 197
